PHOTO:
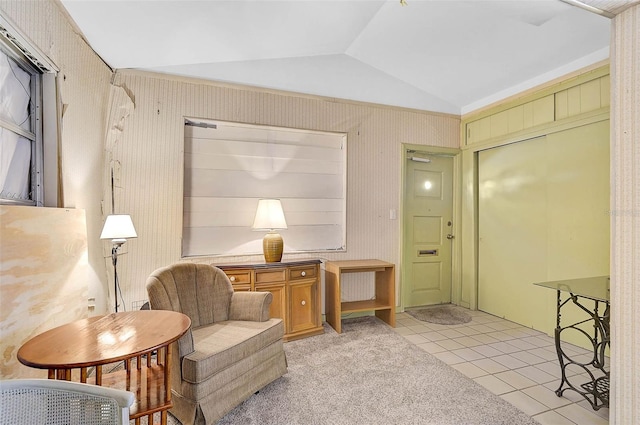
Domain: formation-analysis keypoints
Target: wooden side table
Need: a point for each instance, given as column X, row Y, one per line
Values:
column 384, row 303
column 97, row 341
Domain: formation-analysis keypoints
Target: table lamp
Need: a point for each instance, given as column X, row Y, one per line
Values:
column 118, row 228
column 269, row 216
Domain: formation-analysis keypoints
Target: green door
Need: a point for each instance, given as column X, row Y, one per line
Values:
column 428, row 229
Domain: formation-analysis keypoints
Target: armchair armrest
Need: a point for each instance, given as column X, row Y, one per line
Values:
column 253, row 306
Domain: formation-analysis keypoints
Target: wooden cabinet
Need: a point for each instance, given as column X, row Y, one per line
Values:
column 295, row 286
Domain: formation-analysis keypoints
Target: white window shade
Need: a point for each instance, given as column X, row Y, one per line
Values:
column 230, row 166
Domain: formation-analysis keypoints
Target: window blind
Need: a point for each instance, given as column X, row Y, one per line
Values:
column 228, row 167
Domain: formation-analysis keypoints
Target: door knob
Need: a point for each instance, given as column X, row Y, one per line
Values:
column 450, row 236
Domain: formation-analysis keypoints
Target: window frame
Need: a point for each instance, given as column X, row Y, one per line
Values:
column 43, row 115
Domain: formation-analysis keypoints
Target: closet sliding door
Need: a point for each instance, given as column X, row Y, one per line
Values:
column 512, row 244
column 543, row 214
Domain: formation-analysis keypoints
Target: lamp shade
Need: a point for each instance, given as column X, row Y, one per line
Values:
column 269, row 215
column 118, row 226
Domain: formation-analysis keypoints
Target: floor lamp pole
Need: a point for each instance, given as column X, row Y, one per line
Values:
column 114, row 261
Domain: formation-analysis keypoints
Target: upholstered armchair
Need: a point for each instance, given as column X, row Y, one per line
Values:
column 233, row 348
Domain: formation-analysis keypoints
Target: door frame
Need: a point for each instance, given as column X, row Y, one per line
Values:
column 456, row 270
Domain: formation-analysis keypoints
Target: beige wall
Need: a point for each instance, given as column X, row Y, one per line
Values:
column 83, row 85
column 625, row 218
column 149, row 160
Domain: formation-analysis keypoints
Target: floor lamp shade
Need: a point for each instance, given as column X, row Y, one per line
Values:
column 270, row 216
column 118, row 226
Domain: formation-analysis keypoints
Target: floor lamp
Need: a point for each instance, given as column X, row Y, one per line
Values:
column 118, row 228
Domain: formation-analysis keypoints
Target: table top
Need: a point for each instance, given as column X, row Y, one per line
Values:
column 595, row 288
column 103, row 339
column 265, row 265
column 346, row 265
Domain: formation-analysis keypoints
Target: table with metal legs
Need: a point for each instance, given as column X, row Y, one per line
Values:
column 588, row 377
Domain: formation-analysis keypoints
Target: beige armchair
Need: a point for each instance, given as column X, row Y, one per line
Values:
column 233, row 348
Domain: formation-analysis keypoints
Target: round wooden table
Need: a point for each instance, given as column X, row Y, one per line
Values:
column 144, row 335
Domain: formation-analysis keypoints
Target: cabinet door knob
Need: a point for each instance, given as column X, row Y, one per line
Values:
column 303, row 302
column 303, row 274
column 232, row 278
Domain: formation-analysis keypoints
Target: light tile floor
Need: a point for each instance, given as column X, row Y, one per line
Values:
column 515, row 362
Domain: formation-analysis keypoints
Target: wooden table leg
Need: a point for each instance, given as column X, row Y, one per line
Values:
column 167, row 372
column 333, row 299
column 99, row 375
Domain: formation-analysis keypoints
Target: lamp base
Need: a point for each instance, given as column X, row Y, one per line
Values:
column 272, row 246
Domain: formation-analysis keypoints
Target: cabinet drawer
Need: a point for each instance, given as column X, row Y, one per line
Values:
column 241, row 287
column 303, row 273
column 238, row 277
column 270, row 276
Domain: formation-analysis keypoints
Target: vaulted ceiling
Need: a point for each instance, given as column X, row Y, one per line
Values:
column 449, row 56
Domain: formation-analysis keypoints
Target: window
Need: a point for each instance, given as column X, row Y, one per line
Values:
column 25, row 77
column 228, row 167
column 18, row 126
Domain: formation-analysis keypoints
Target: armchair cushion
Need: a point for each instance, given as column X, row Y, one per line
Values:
column 226, row 343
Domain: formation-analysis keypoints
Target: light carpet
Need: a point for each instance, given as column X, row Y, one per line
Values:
column 370, row 375
column 446, row 314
